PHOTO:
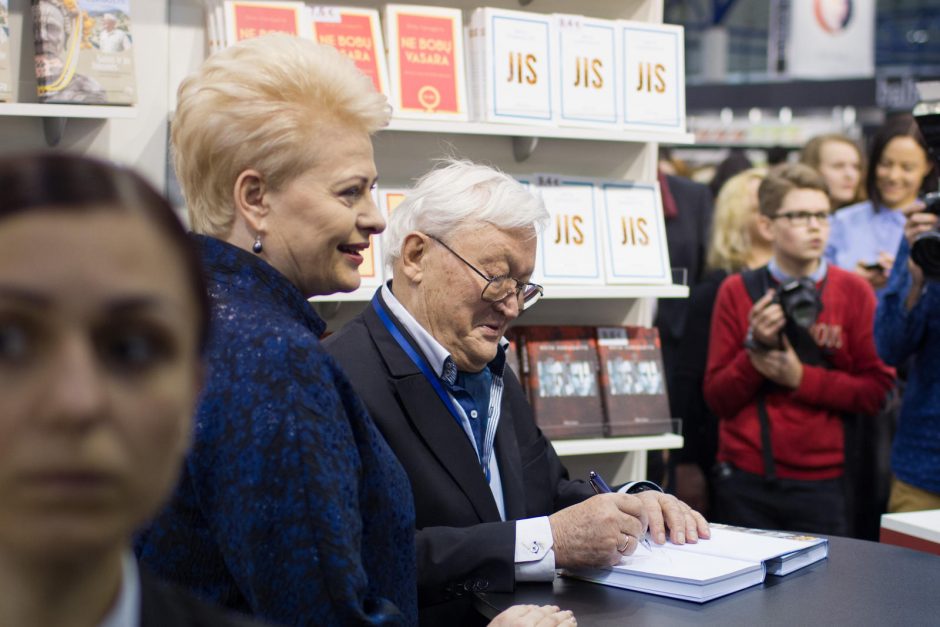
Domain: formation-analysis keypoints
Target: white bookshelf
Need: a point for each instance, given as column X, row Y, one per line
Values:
column 40, row 110
column 522, row 130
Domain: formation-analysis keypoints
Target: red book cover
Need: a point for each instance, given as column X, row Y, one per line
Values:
column 425, row 56
column 247, row 20
column 632, row 381
column 563, row 380
column 355, row 33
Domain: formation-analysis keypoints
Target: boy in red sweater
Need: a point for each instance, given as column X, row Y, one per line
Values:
column 788, row 474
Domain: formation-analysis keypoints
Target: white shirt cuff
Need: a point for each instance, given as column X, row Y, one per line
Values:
column 535, row 559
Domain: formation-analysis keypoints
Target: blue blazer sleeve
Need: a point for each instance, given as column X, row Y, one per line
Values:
column 898, row 332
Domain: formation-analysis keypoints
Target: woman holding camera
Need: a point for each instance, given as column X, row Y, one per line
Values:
column 907, row 325
column 864, row 236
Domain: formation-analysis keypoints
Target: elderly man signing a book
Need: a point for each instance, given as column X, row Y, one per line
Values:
column 494, row 504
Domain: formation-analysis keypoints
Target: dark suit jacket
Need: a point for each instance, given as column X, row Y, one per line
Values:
column 462, row 544
column 687, row 238
column 163, row 604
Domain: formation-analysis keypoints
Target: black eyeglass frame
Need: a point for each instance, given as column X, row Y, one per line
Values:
column 519, row 290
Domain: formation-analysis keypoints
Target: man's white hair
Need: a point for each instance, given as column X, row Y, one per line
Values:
column 462, row 195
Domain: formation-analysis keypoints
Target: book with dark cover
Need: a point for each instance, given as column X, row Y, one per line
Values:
column 6, row 73
column 84, row 52
column 512, row 357
column 632, row 381
column 562, row 380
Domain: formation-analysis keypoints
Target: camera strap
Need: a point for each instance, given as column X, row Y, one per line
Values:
column 757, row 282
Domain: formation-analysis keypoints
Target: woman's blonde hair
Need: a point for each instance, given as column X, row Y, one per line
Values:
column 260, row 105
column 735, row 207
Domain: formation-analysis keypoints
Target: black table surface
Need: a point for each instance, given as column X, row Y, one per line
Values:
column 861, row 583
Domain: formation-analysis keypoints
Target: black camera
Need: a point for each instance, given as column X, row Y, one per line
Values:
column 800, row 300
column 926, row 248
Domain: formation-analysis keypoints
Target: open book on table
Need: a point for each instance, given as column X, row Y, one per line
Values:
column 733, row 558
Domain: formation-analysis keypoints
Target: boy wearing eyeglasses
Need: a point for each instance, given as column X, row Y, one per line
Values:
column 791, row 351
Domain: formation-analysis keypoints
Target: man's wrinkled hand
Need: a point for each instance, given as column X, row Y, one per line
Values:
column 667, row 513
column 598, row 531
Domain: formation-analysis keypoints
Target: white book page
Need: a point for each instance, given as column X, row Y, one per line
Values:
column 664, row 562
column 754, row 546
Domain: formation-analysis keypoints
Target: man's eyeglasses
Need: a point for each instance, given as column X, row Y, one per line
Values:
column 802, row 218
column 499, row 287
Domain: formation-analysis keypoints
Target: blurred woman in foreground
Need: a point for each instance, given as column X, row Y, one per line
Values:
column 103, row 317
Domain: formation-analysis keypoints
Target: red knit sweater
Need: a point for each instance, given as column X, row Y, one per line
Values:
column 805, row 424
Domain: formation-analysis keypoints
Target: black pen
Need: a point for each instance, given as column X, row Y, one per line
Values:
column 600, row 487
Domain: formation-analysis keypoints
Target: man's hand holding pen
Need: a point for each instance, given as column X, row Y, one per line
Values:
column 597, row 532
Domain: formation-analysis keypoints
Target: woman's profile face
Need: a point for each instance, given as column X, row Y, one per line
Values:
column 319, row 224
column 99, row 373
column 841, row 167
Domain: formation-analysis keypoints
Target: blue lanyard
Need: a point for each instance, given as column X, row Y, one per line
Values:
column 423, row 366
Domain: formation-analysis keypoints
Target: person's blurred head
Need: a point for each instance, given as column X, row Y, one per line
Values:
column 735, row 162
column 103, row 316
column 457, row 216
column 841, row 163
column 899, row 165
column 795, row 209
column 734, row 222
column 110, row 21
column 271, row 142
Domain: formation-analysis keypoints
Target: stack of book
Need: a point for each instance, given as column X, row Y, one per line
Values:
column 593, row 381
column 733, row 559
column 519, row 68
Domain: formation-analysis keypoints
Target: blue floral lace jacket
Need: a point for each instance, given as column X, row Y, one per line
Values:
column 291, row 505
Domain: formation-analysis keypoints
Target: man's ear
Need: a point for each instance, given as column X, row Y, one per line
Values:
column 765, row 226
column 413, row 252
column 249, row 196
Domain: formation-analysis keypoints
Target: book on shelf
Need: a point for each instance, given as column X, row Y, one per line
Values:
column 6, row 71
column 632, row 381
column 512, row 358
column 247, row 19
column 589, row 83
column 569, row 251
column 389, row 198
column 734, row 558
column 561, row 368
column 654, row 76
column 635, row 250
column 512, row 67
column 356, row 33
column 215, row 25
column 372, row 270
column 84, row 52
column 426, row 62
